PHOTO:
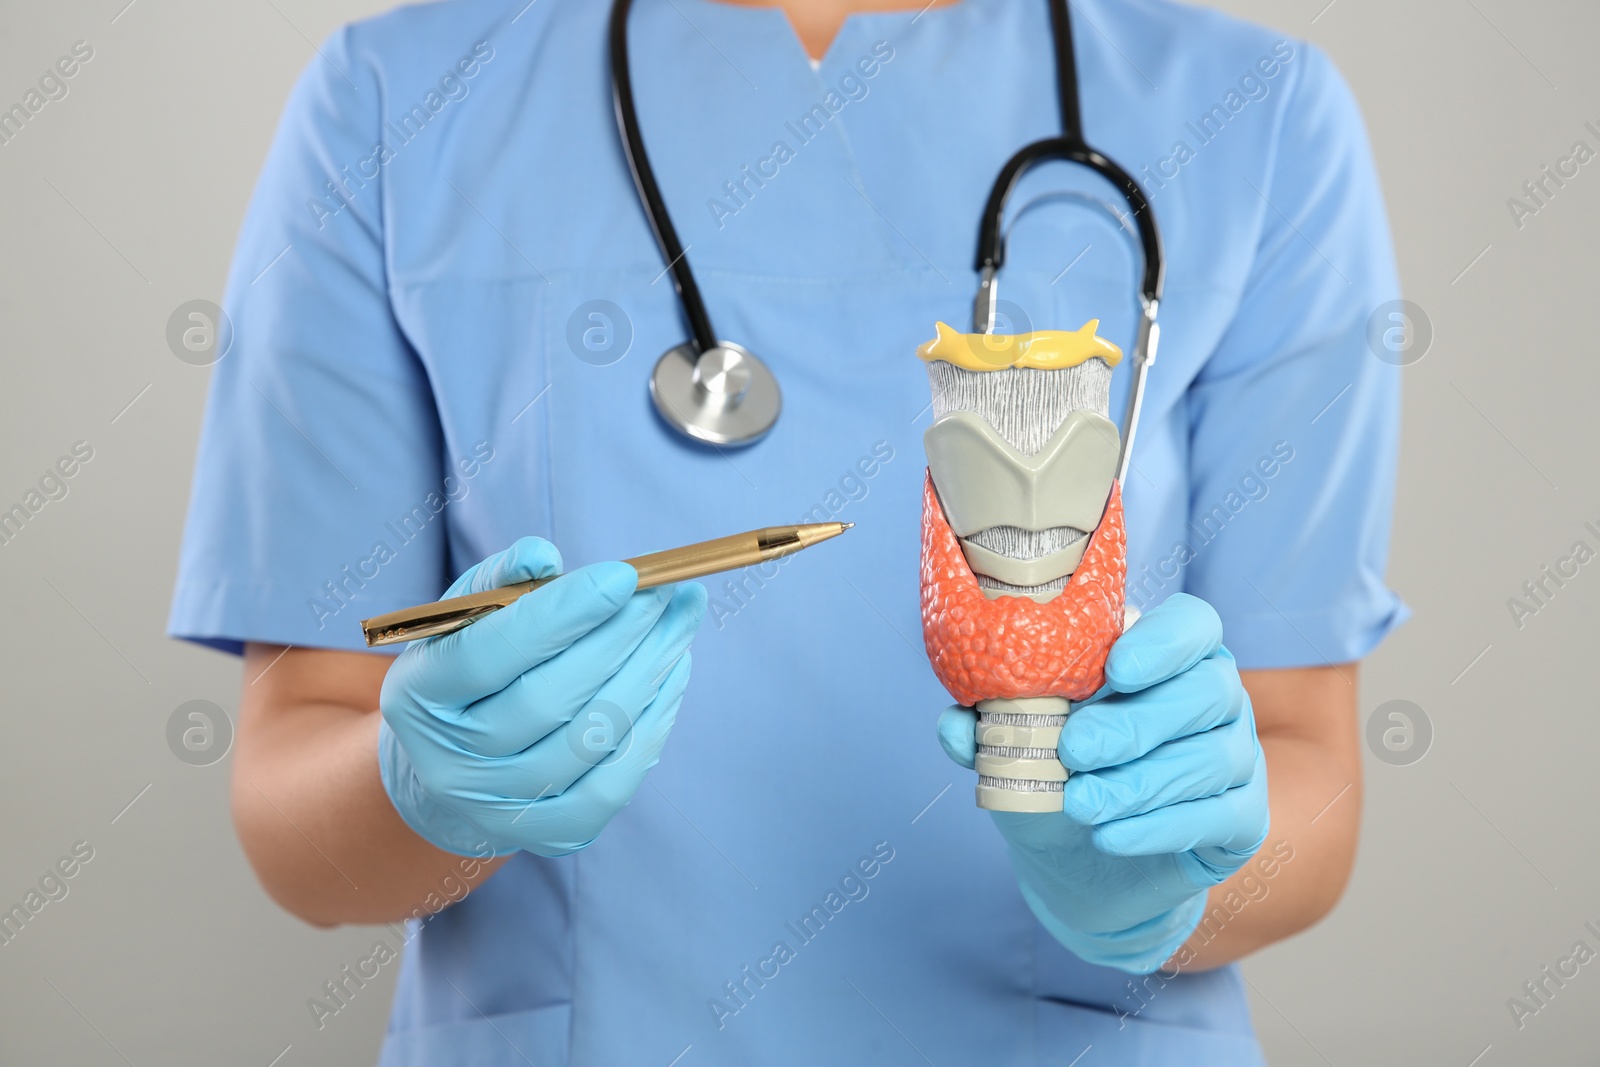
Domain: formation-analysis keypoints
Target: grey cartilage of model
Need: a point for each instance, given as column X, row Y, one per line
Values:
column 1025, row 406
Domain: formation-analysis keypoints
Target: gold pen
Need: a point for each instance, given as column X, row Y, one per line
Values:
column 658, row 568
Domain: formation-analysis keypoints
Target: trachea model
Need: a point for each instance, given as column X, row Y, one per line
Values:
column 1023, row 549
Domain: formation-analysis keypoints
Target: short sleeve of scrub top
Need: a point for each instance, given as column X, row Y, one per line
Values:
column 804, row 877
column 320, row 479
column 1288, row 529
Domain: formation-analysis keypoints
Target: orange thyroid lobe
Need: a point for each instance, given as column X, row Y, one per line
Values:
column 1013, row 646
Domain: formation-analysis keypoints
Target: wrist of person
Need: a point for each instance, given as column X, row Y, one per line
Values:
column 1138, row 949
column 430, row 820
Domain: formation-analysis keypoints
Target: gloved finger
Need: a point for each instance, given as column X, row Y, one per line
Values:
column 1175, row 635
column 566, row 823
column 455, row 669
column 1235, row 821
column 958, row 734
column 1124, row 727
column 636, row 683
column 526, row 559
column 604, row 724
column 550, row 694
column 1190, row 768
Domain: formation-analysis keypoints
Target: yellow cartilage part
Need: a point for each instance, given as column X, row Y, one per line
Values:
column 1041, row 350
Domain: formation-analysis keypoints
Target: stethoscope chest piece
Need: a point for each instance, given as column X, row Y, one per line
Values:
column 723, row 396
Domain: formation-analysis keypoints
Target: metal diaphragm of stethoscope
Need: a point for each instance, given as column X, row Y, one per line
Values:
column 722, row 393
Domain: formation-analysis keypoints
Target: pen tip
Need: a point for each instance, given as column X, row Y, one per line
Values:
column 847, row 525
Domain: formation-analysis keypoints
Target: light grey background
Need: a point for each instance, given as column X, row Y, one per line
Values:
column 121, row 202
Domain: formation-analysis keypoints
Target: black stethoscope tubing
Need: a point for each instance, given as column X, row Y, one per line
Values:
column 1069, row 147
column 1072, row 148
column 644, row 177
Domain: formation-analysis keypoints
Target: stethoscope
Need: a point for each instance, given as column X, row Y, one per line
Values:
column 720, row 392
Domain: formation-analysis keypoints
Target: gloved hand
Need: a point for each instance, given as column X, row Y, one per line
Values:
column 1167, row 794
column 532, row 727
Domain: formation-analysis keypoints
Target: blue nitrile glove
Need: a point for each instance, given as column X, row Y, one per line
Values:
column 532, row 727
column 1167, row 794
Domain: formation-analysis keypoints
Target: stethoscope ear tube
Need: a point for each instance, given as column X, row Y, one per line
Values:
column 1071, row 148
column 992, row 249
column 1144, row 354
column 991, row 238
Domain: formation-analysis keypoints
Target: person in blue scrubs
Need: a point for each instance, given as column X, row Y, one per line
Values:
column 445, row 304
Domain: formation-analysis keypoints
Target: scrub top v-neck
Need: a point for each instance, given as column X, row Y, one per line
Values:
column 445, row 305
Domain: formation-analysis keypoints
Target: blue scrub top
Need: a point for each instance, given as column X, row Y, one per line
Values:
column 446, row 304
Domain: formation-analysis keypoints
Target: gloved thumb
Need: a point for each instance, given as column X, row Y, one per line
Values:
column 1166, row 641
column 958, row 733
column 528, row 558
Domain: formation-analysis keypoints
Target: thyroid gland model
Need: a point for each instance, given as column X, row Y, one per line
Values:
column 1024, row 556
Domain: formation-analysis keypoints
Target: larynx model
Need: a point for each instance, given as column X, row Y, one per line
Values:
column 1023, row 549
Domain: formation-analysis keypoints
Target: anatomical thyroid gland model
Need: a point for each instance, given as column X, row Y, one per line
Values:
column 1023, row 547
